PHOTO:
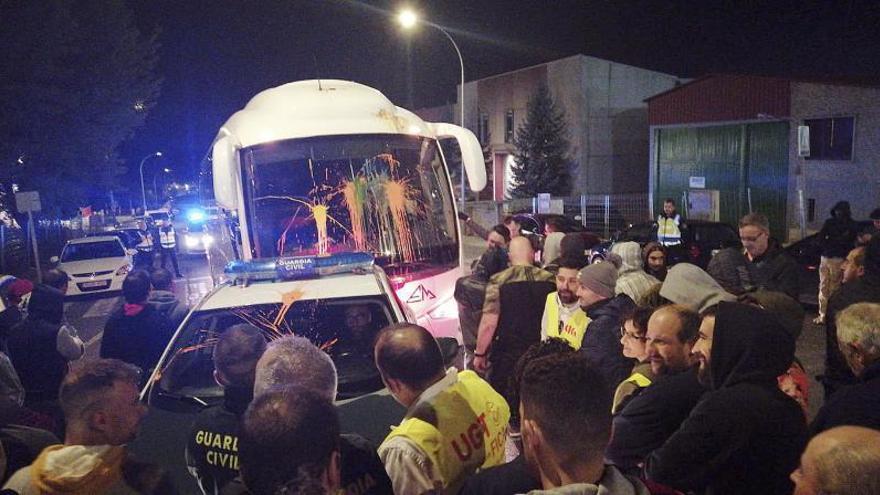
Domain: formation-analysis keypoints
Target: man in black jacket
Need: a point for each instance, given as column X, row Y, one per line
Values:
column 745, row 435
column 770, row 267
column 652, row 416
column 601, row 343
column 41, row 345
column 211, row 450
column 837, row 237
column 137, row 333
column 163, row 298
column 864, row 289
column 859, row 336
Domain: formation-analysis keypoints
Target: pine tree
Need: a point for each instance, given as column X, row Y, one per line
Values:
column 541, row 161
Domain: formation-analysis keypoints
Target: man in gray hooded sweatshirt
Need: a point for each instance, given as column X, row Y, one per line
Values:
column 164, row 300
column 632, row 280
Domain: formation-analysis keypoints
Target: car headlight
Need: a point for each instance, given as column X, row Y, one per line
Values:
column 207, row 240
column 123, row 270
column 446, row 310
column 191, row 241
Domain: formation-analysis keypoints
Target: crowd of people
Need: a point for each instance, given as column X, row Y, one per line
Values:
column 624, row 376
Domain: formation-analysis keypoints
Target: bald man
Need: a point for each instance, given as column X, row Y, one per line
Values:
column 455, row 423
column 512, row 313
column 843, row 461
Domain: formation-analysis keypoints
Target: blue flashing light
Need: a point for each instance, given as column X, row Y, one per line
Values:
column 299, row 267
column 195, row 215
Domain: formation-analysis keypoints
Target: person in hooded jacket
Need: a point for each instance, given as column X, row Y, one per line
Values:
column 745, row 435
column 41, row 346
column 164, row 300
column 137, row 333
column 631, row 278
column 837, row 237
column 102, row 411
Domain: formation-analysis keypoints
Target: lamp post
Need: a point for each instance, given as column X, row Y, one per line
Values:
column 143, row 190
column 408, row 19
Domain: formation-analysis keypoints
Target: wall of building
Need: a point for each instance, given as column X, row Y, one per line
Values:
column 857, row 181
column 604, row 106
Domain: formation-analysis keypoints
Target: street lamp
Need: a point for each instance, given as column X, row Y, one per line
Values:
column 143, row 190
column 408, row 19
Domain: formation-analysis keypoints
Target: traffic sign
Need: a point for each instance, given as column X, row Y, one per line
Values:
column 28, row 201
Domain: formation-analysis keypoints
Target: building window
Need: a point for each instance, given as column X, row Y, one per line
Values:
column 831, row 139
column 508, row 127
column 483, row 129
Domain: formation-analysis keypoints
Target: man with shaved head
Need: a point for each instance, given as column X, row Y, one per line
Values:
column 455, row 423
column 843, row 461
column 295, row 361
column 512, row 313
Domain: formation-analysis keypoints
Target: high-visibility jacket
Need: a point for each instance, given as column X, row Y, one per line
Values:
column 571, row 330
column 461, row 428
column 669, row 230
column 167, row 238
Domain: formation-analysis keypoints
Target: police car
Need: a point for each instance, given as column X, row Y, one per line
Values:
column 95, row 264
column 339, row 302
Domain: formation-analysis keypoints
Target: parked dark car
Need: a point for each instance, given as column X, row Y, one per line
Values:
column 700, row 241
column 532, row 226
column 808, row 253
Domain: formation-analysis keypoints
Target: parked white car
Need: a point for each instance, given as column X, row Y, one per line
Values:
column 95, row 264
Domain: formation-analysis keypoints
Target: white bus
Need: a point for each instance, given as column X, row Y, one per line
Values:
column 312, row 168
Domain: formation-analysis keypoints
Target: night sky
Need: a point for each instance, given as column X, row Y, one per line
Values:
column 216, row 55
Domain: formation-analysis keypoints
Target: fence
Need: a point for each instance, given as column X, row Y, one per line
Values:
column 16, row 252
column 602, row 214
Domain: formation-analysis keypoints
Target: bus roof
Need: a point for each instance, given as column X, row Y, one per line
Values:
column 319, row 108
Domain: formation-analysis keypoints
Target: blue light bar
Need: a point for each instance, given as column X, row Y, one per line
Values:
column 299, row 267
column 195, row 215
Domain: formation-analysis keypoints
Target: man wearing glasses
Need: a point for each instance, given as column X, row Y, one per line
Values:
column 652, row 416
column 771, row 268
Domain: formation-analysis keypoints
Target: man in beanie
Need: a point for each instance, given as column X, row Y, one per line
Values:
column 601, row 342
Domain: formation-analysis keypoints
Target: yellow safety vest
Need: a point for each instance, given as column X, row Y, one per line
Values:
column 638, row 379
column 668, row 230
column 167, row 239
column 461, row 429
column 571, row 331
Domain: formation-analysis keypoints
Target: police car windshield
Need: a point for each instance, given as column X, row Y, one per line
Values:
column 343, row 327
column 383, row 194
column 92, row 250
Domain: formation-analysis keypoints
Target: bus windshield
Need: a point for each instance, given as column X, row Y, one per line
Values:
column 384, row 194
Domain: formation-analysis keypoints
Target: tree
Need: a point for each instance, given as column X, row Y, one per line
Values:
column 78, row 79
column 541, row 161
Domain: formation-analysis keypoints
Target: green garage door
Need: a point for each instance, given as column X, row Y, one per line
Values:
column 732, row 159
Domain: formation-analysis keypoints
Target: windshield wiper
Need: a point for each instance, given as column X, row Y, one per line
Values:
column 182, row 398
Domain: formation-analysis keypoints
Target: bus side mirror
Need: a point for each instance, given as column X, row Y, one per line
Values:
column 471, row 152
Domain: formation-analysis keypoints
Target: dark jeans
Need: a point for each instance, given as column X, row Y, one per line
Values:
column 169, row 253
